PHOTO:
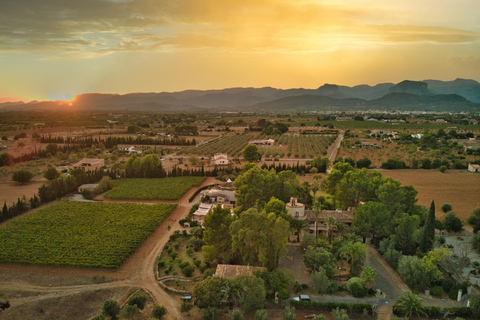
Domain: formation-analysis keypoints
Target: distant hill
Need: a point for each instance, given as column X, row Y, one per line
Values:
column 458, row 95
column 413, row 87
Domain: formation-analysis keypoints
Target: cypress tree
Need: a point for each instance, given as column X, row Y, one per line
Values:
column 428, row 236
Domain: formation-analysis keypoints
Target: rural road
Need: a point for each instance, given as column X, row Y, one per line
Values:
column 137, row 272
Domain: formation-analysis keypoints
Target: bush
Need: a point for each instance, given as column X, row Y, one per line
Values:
column 22, row 176
column 209, row 313
column 188, row 270
column 453, row 223
column 111, row 308
column 332, row 287
column 437, row 291
column 236, row 315
column 138, row 299
column 159, row 312
column 160, row 264
column 356, row 287
column 186, row 306
column 447, row 284
column 261, row 315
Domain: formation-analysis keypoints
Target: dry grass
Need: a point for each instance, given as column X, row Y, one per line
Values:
column 458, row 188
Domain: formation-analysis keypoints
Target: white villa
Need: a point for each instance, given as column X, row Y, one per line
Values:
column 131, row 150
column 220, row 159
column 223, row 194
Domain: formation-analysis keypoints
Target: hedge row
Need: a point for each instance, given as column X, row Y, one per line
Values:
column 438, row 311
column 328, row 306
column 199, row 190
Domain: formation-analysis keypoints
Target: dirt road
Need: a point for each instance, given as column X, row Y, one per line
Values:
column 137, row 272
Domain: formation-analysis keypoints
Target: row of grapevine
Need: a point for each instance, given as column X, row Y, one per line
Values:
column 231, row 145
column 83, row 234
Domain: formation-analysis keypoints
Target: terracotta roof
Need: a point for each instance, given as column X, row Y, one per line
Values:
column 339, row 215
column 231, row 271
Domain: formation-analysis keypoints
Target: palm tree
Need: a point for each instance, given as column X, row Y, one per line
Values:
column 341, row 227
column 317, row 210
column 410, row 304
column 368, row 273
column 331, row 224
column 355, row 254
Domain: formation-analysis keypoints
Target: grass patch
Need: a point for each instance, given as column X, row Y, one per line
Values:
column 100, row 235
column 152, row 189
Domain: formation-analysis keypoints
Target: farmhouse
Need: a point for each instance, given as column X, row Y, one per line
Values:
column 318, row 224
column 89, row 164
column 131, row 150
column 263, row 143
column 228, row 271
column 223, row 194
column 474, row 168
column 220, row 159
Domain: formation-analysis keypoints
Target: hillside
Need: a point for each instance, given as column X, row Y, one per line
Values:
column 458, row 95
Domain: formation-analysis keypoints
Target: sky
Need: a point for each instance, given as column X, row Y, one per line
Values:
column 56, row 49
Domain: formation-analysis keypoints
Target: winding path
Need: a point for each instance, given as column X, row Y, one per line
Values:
column 137, row 272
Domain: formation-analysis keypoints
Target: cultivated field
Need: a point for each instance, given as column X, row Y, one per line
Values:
column 458, row 188
column 152, row 189
column 11, row 191
column 100, row 235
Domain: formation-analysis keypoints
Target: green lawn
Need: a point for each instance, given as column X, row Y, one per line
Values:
column 82, row 234
column 152, row 189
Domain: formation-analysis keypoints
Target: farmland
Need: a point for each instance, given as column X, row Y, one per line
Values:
column 100, row 235
column 458, row 188
column 152, row 189
column 290, row 145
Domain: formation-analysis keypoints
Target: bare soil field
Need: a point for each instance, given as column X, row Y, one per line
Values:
column 459, row 188
column 11, row 191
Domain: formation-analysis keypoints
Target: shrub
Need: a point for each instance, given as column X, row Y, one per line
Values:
column 161, row 264
column 447, row 284
column 339, row 314
column 137, row 299
column 327, row 306
column 111, row 308
column 437, row 291
column 159, row 312
column 188, row 270
column 209, row 313
column 236, row 315
column 356, row 287
column 186, row 306
column 261, row 315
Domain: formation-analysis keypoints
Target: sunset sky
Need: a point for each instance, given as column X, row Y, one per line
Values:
column 56, row 49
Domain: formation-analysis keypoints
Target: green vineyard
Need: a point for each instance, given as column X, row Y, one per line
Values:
column 80, row 234
column 291, row 146
column 152, row 189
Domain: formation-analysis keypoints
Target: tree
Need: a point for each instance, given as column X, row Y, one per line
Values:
column 259, row 238
column 138, row 299
column 320, row 280
column 411, row 271
column 410, row 304
column 261, row 315
column 339, row 314
column 404, row 233
column 371, row 218
column 209, row 313
column 368, row 274
column 236, row 315
column 193, row 160
column 216, row 235
column 250, row 153
column 474, row 220
column 447, row 208
column 475, row 306
column 355, row 253
column 364, row 163
column 251, row 292
column 129, row 311
column 159, row 312
column 321, row 163
column 23, row 176
column 276, row 206
column 316, row 258
column 428, row 232
column 453, row 223
column 208, row 293
column 331, row 225
column 289, row 313
column 111, row 308
column 51, row 173
column 356, row 287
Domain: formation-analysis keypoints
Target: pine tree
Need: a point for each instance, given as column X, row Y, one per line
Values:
column 428, row 236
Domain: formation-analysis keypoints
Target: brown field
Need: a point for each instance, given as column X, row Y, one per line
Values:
column 459, row 188
column 11, row 191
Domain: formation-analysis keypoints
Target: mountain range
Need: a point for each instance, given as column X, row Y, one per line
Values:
column 428, row 95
